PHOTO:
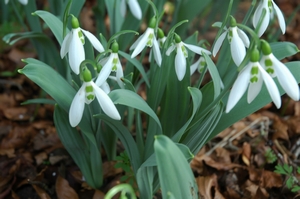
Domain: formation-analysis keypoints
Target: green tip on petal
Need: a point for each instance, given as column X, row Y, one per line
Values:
column 265, row 47
column 115, row 47
column 152, row 22
column 177, row 38
column 254, row 55
column 87, row 75
column 74, row 22
column 160, row 33
column 232, row 21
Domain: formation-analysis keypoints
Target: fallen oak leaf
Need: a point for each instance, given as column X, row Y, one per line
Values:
column 63, row 189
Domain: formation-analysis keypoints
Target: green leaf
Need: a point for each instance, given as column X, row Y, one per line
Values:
column 175, row 174
column 77, row 148
column 282, row 50
column 54, row 23
column 296, row 189
column 279, row 169
column 214, row 74
column 131, row 99
column 290, row 182
column 288, row 168
column 197, row 99
column 39, row 101
column 137, row 64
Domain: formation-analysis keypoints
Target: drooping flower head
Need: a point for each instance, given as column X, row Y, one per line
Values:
column 112, row 63
column 271, row 9
column 161, row 37
column 134, row 7
column 252, row 76
column 73, row 44
column 238, row 41
column 182, row 54
column 147, row 39
column 277, row 69
column 85, row 95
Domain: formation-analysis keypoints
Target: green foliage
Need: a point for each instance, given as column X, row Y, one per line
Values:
column 270, row 156
column 292, row 182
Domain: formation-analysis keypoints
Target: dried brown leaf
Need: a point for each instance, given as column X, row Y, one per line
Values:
column 246, row 154
column 63, row 189
column 281, row 130
column 41, row 192
column 205, row 185
column 98, row 195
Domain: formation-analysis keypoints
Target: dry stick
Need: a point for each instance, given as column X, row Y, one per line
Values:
column 232, row 136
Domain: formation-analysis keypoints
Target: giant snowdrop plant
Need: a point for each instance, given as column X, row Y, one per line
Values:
column 96, row 87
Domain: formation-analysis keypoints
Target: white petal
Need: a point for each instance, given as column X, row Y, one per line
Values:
column 123, row 8
column 135, row 9
column 219, row 42
column 24, row 2
column 105, row 103
column 141, row 42
column 271, row 86
column 94, row 41
column 286, row 79
column 180, row 64
column 257, row 15
column 157, row 53
column 6, row 1
column 105, row 87
column 197, row 49
column 76, row 52
column 239, row 87
column 77, row 107
column 65, row 46
column 170, row 49
column 119, row 75
column 243, row 37
column 254, row 88
column 280, row 17
column 105, row 71
column 194, row 66
column 137, row 41
column 238, row 50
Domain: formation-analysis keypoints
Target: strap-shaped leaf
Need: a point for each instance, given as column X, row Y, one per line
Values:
column 175, row 174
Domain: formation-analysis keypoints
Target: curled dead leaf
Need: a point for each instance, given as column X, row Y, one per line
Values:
column 63, row 189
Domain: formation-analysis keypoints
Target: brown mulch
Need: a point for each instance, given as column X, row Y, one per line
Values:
column 236, row 164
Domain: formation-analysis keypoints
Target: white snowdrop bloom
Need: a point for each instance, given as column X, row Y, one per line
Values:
column 24, row 2
column 85, row 95
column 277, row 69
column 134, row 7
column 73, row 44
column 182, row 54
column 238, row 41
column 161, row 37
column 271, row 9
column 147, row 39
column 252, row 76
column 199, row 64
column 112, row 63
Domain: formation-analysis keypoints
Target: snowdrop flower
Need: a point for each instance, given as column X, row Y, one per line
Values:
column 85, row 95
column 253, row 75
column 147, row 39
column 277, row 69
column 112, row 63
column 238, row 41
column 161, row 37
column 199, row 64
column 24, row 2
column 73, row 44
column 182, row 54
column 134, row 7
column 269, row 6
